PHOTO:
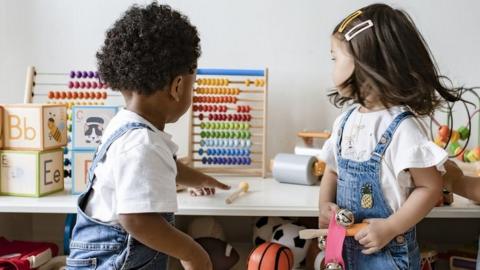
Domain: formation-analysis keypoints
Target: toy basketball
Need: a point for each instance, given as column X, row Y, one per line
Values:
column 270, row 256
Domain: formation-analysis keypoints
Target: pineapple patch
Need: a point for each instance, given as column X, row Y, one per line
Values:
column 367, row 196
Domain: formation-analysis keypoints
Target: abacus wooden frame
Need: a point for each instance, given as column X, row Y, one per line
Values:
column 233, row 170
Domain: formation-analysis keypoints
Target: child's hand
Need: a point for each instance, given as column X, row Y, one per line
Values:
column 200, row 261
column 326, row 209
column 207, row 186
column 376, row 235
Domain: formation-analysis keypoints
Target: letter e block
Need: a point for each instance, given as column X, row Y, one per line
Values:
column 31, row 173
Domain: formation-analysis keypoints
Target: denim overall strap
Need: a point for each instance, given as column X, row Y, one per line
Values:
column 386, row 138
column 102, row 151
column 340, row 131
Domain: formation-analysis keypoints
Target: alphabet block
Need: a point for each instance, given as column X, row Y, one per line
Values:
column 88, row 124
column 35, row 126
column 81, row 162
column 1, row 127
column 31, row 173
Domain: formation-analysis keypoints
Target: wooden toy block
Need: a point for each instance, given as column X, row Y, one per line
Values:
column 88, row 124
column 31, row 173
column 1, row 127
column 81, row 162
column 34, row 126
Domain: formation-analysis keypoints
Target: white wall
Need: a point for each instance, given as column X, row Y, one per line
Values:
column 291, row 38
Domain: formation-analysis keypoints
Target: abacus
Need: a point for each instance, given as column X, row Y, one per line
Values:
column 77, row 87
column 228, row 122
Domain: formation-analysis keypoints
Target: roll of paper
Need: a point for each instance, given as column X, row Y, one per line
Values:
column 307, row 151
column 294, row 169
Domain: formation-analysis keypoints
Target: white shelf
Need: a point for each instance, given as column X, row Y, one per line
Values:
column 266, row 197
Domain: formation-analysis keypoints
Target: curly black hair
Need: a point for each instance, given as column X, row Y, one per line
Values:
column 147, row 48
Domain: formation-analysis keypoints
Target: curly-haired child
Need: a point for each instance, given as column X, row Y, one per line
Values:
column 125, row 218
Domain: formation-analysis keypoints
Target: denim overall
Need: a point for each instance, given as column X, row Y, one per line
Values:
column 98, row 245
column 354, row 178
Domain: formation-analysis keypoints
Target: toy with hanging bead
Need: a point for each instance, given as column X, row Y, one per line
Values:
column 228, row 122
column 456, row 141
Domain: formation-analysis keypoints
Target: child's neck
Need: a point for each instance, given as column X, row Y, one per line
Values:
column 367, row 109
column 143, row 107
column 371, row 104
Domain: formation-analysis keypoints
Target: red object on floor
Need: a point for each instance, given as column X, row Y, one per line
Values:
column 23, row 255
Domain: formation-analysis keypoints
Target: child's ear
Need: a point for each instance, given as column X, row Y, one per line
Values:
column 176, row 88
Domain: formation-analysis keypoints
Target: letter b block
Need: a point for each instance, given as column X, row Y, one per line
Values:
column 31, row 173
column 34, row 126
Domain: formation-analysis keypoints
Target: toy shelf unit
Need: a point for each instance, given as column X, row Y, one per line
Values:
column 228, row 122
column 91, row 104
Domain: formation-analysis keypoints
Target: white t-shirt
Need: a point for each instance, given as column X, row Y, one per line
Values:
column 138, row 174
column 410, row 147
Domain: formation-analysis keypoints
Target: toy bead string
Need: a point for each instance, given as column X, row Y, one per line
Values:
column 223, row 91
column 227, row 117
column 225, row 81
column 223, row 108
column 226, row 125
column 229, row 143
column 227, row 160
column 222, row 99
column 226, row 152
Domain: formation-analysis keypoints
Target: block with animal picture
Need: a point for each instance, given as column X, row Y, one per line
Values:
column 31, row 173
column 81, row 162
column 34, row 126
column 88, row 124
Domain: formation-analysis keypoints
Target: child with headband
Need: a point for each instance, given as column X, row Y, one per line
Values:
column 381, row 165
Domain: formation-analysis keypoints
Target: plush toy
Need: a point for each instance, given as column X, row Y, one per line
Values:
column 206, row 227
column 222, row 255
column 264, row 228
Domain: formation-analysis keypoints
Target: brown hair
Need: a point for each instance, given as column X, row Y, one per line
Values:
column 393, row 60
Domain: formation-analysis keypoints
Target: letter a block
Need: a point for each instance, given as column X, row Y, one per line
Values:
column 31, row 173
column 88, row 124
column 81, row 162
column 34, row 126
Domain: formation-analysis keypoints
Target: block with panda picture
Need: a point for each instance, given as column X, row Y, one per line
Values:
column 88, row 124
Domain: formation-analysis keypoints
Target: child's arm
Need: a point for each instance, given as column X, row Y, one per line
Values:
column 192, row 178
column 154, row 231
column 428, row 187
column 327, row 197
column 457, row 182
